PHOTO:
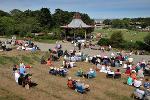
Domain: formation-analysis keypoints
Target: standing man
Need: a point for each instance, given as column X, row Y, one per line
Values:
column 79, row 46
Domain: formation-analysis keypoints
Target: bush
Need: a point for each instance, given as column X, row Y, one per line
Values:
column 116, row 39
column 104, row 42
column 128, row 45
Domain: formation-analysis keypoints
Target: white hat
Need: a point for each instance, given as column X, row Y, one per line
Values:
column 98, row 55
column 69, row 78
column 134, row 71
column 105, row 57
column 91, row 69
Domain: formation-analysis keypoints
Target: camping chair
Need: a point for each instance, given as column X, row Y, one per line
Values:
column 80, row 89
column 92, row 75
column 116, row 76
column 109, row 75
column 80, row 74
column 63, row 73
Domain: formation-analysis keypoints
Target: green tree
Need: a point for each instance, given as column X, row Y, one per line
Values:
column 107, row 22
column 7, row 25
column 116, row 39
column 45, row 18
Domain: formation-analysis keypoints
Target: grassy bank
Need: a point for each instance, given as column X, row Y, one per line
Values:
column 128, row 34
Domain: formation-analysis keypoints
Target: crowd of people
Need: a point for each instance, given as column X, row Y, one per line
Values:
column 26, row 45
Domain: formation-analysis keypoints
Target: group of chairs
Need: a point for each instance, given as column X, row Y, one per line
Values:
column 58, row 71
column 86, row 75
column 115, row 76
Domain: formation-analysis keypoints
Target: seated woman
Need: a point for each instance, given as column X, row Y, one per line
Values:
column 147, row 83
column 133, row 75
column 81, row 87
column 62, row 72
column 140, row 73
column 91, row 74
column 80, row 73
column 137, row 83
column 49, row 63
column 27, row 81
column 71, row 83
column 139, row 93
column 128, row 71
column 129, row 81
column 117, row 74
column 103, row 69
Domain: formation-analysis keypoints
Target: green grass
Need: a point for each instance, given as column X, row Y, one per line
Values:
column 128, row 34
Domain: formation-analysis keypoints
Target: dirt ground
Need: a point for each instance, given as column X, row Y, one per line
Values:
column 54, row 87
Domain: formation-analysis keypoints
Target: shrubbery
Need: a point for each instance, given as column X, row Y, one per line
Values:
column 104, row 41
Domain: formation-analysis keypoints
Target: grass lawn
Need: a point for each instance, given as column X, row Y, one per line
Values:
column 128, row 34
column 54, row 87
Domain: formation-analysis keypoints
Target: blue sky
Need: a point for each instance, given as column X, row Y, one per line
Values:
column 94, row 8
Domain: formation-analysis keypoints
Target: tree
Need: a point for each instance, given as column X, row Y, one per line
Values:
column 107, row 22
column 45, row 18
column 116, row 39
column 7, row 25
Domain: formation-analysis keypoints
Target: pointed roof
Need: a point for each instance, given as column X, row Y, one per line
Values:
column 76, row 22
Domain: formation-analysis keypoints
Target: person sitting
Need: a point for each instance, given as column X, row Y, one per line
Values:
column 129, row 81
column 91, row 74
column 20, row 79
column 103, row 69
column 147, row 94
column 140, row 73
column 80, row 73
column 137, row 83
column 81, row 87
column 17, row 75
column 139, row 93
column 133, row 75
column 71, row 83
column 62, row 72
column 117, row 74
column 49, row 63
column 98, row 67
column 22, row 70
column 128, row 71
column 146, row 83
